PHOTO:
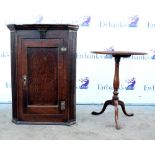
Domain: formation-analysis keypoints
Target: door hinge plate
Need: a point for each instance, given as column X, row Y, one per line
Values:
column 62, row 105
column 63, row 49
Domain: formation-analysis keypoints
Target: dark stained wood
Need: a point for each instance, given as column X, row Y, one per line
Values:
column 115, row 99
column 43, row 27
column 43, row 71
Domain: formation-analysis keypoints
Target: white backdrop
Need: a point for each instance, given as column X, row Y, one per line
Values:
column 104, row 24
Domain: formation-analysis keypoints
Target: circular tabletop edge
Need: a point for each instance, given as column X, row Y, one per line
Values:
column 119, row 52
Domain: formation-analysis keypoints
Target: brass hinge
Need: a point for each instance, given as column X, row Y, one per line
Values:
column 63, row 49
column 62, row 105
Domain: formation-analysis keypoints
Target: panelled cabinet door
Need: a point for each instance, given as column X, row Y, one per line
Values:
column 42, row 78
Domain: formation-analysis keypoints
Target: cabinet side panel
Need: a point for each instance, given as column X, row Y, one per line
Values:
column 13, row 75
column 72, row 74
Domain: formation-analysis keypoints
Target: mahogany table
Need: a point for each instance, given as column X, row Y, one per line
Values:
column 115, row 99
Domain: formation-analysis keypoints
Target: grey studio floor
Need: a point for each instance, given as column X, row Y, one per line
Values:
column 88, row 127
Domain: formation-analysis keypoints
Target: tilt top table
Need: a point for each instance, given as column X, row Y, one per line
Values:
column 115, row 99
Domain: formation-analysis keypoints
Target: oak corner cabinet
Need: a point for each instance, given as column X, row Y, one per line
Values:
column 43, row 73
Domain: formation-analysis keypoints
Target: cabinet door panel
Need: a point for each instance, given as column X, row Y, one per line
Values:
column 42, row 76
column 42, row 73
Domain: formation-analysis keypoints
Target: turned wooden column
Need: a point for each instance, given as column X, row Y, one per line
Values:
column 116, row 87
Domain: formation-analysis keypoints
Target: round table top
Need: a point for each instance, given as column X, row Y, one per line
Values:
column 119, row 53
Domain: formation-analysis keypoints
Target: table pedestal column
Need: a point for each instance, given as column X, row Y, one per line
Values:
column 115, row 100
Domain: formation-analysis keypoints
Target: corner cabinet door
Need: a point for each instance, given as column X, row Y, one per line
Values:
column 42, row 80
